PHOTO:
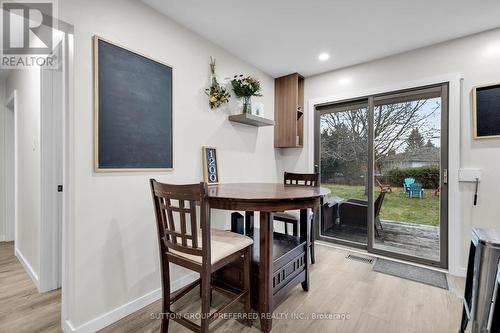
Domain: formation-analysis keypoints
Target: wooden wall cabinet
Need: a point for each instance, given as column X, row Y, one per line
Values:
column 289, row 111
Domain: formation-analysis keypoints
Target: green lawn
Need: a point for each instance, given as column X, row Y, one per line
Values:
column 396, row 206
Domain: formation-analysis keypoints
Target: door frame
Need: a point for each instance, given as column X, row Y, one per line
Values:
column 11, row 105
column 443, row 206
column 68, row 211
column 455, row 96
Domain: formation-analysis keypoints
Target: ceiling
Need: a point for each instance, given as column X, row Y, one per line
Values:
column 285, row 36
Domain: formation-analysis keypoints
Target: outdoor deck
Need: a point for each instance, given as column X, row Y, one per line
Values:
column 407, row 238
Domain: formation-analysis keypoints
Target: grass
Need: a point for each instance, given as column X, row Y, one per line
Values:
column 396, row 206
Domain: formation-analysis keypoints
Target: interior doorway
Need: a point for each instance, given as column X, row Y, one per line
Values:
column 33, row 158
column 33, row 170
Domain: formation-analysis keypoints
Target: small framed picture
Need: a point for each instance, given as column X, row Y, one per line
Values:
column 210, row 165
column 486, row 111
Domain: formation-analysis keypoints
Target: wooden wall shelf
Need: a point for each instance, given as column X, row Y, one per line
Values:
column 289, row 111
column 252, row 120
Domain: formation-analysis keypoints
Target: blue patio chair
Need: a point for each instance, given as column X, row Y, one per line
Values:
column 406, row 184
column 416, row 190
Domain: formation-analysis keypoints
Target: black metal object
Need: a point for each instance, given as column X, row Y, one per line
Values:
column 237, row 223
column 365, row 260
column 249, row 218
column 242, row 225
column 481, row 281
column 475, row 192
column 494, row 317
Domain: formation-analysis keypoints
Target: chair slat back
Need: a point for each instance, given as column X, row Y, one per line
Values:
column 408, row 181
column 378, row 203
column 305, row 179
column 415, row 187
column 184, row 237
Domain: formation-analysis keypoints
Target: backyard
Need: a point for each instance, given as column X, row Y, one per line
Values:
column 396, row 206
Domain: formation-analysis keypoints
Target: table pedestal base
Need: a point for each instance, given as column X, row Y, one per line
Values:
column 286, row 259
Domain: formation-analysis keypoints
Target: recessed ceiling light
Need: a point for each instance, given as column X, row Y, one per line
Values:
column 323, row 56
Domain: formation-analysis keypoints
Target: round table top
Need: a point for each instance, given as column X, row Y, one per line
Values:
column 265, row 191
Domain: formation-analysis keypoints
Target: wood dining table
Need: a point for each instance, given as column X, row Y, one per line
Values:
column 280, row 262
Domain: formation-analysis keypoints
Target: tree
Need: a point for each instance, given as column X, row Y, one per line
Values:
column 344, row 143
column 344, row 137
column 394, row 122
column 429, row 144
column 415, row 140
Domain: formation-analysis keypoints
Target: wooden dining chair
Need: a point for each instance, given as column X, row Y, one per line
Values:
column 293, row 218
column 203, row 250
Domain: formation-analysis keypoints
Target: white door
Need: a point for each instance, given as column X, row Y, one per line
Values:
column 52, row 111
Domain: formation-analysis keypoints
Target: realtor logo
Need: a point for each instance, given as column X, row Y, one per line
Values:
column 27, row 34
column 27, row 27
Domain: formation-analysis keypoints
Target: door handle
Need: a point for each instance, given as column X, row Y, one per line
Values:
column 445, row 176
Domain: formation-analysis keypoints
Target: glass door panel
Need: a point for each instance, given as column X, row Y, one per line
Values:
column 407, row 168
column 343, row 164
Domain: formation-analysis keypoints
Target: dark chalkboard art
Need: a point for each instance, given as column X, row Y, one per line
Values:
column 210, row 165
column 486, row 111
column 133, row 111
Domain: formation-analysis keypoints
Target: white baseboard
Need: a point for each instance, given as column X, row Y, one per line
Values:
column 27, row 268
column 460, row 271
column 184, row 281
column 126, row 309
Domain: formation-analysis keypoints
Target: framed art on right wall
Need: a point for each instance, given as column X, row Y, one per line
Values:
column 486, row 111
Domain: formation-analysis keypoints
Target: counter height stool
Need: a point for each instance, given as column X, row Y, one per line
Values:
column 292, row 218
column 202, row 250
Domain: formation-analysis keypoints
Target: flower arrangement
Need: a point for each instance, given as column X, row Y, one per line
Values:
column 217, row 94
column 245, row 87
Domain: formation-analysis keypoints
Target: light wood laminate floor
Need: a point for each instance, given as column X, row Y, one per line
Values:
column 374, row 302
column 22, row 308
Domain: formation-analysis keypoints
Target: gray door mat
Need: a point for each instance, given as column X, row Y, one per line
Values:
column 409, row 272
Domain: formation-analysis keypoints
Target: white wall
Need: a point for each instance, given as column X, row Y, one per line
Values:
column 27, row 84
column 114, row 255
column 477, row 58
column 2, row 161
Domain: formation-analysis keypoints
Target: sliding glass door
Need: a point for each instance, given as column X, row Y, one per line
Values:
column 385, row 160
column 343, row 137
